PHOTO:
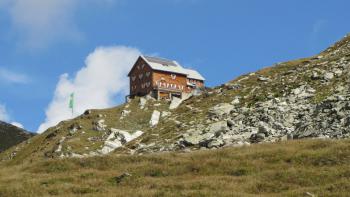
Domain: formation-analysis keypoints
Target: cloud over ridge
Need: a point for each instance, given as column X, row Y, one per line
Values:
column 95, row 85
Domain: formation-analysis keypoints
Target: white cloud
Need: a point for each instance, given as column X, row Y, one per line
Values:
column 95, row 85
column 12, row 77
column 17, row 124
column 3, row 113
column 40, row 22
column 4, row 116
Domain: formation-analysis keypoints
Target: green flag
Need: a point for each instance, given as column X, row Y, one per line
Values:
column 71, row 101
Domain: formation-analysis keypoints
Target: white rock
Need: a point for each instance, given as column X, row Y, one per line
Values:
column 338, row 72
column 221, row 109
column 235, row 101
column 304, row 92
column 175, row 103
column 155, row 118
column 142, row 103
column 218, row 127
column 165, row 114
column 216, row 143
column 75, row 155
column 100, row 125
column 264, row 79
column 328, row 76
column 59, row 149
column 117, row 139
column 125, row 112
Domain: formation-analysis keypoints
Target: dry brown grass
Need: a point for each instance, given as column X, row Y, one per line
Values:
column 283, row 169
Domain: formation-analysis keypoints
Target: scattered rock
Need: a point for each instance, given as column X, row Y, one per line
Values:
column 230, row 123
column 60, row 144
column 338, row 72
column 315, row 76
column 175, row 103
column 257, row 137
column 218, row 127
column 263, row 79
column 235, row 101
column 216, row 143
column 328, row 76
column 221, row 110
column 117, row 139
column 309, row 194
column 191, row 139
column 165, row 114
column 155, row 118
column 125, row 113
column 74, row 128
column 100, row 125
column 120, row 178
column 304, row 92
column 143, row 102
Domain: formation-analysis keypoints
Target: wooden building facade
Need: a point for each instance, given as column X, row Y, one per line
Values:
column 162, row 78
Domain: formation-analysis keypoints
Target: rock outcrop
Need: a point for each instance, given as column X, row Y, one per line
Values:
column 117, row 139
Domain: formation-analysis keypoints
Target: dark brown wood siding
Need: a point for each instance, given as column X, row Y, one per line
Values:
column 140, row 78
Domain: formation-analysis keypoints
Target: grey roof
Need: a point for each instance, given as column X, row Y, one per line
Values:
column 166, row 65
column 193, row 74
column 160, row 61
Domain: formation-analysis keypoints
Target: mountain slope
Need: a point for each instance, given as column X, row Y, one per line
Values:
column 11, row 135
column 305, row 98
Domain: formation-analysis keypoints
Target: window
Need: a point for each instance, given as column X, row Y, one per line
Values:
column 173, row 76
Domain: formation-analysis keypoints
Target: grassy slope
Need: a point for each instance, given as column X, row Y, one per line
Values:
column 284, row 169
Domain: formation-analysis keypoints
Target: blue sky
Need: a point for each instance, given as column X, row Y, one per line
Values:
column 39, row 42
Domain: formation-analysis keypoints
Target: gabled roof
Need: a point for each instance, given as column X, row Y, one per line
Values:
column 159, row 60
column 162, row 64
column 193, row 74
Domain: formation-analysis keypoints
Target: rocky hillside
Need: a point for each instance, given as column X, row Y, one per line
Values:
column 305, row 98
column 11, row 135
